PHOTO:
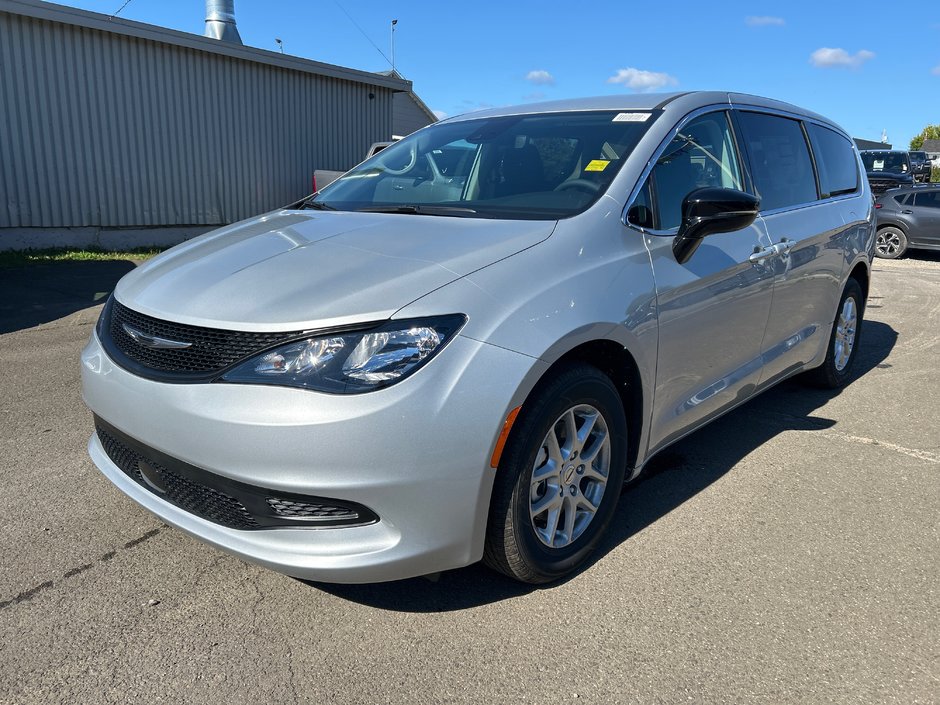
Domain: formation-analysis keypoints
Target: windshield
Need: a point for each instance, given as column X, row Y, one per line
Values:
column 886, row 161
column 545, row 166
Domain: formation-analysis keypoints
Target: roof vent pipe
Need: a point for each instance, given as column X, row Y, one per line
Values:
column 220, row 21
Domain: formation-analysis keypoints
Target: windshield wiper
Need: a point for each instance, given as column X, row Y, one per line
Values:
column 317, row 205
column 419, row 210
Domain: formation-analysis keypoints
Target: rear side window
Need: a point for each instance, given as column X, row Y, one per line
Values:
column 780, row 162
column 930, row 199
column 835, row 160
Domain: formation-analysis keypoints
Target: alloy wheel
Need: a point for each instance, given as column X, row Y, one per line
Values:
column 887, row 243
column 570, row 475
column 844, row 340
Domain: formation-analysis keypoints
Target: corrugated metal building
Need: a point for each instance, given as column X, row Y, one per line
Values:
column 870, row 144
column 113, row 124
column 409, row 112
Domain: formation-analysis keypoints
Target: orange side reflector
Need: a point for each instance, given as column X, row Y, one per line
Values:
column 504, row 434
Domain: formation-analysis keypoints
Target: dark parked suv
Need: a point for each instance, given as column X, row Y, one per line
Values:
column 887, row 169
column 908, row 218
column 920, row 166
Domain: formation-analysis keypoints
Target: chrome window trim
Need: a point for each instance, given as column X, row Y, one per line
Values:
column 746, row 107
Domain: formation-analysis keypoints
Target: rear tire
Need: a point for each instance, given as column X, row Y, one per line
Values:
column 843, row 340
column 890, row 243
column 559, row 478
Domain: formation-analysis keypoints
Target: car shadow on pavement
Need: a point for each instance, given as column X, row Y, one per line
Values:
column 39, row 293
column 922, row 255
column 669, row 480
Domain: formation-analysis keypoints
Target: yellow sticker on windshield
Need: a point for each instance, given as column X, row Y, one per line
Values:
column 597, row 165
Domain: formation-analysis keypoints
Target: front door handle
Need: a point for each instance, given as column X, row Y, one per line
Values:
column 774, row 250
column 908, row 212
column 762, row 254
column 783, row 247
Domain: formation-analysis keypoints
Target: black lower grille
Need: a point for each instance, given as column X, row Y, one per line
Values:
column 208, row 351
column 196, row 499
column 233, row 504
column 287, row 508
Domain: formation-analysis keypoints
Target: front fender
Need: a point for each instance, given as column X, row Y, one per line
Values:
column 568, row 291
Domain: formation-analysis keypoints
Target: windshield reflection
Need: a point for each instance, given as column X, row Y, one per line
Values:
column 542, row 166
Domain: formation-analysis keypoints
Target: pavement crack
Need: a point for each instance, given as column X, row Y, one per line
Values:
column 26, row 594
column 30, row 593
column 140, row 539
column 291, row 675
column 76, row 571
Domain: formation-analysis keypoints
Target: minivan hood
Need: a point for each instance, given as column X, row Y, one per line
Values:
column 299, row 270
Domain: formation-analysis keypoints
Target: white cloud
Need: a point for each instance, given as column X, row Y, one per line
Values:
column 640, row 80
column 540, row 77
column 439, row 114
column 764, row 21
column 829, row 58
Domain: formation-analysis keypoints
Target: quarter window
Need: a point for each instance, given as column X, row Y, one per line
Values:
column 701, row 155
column 835, row 160
column 780, row 162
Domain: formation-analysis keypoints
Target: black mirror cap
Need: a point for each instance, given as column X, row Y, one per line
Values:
column 641, row 216
column 707, row 211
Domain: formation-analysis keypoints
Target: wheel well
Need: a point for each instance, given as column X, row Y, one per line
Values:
column 860, row 274
column 896, row 226
column 617, row 363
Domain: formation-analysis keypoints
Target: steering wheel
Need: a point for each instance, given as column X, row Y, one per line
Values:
column 583, row 184
column 405, row 169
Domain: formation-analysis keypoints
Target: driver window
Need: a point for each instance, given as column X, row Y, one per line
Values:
column 702, row 154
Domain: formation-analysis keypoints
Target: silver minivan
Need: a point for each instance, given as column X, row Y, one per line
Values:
column 466, row 345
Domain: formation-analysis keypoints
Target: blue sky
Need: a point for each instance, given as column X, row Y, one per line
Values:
column 867, row 65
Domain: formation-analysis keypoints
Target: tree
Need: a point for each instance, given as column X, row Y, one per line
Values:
column 931, row 132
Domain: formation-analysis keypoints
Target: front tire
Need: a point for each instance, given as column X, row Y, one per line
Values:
column 890, row 243
column 559, row 478
column 843, row 340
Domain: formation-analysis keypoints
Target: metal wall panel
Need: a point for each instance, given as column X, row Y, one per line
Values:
column 407, row 115
column 104, row 129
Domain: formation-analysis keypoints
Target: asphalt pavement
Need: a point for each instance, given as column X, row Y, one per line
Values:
column 790, row 552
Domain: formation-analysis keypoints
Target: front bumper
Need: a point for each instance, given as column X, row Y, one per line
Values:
column 416, row 453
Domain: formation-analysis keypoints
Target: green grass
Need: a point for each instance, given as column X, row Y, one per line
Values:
column 20, row 258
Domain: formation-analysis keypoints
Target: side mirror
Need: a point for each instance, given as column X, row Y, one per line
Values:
column 707, row 211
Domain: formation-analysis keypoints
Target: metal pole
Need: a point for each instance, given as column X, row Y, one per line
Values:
column 394, row 22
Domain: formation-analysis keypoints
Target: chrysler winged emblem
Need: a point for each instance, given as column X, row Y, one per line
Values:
column 153, row 341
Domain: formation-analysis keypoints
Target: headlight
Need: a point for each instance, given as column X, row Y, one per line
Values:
column 349, row 363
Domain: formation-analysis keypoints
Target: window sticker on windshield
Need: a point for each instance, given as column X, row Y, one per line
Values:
column 597, row 165
column 631, row 117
